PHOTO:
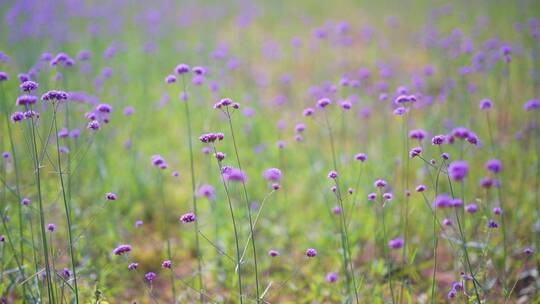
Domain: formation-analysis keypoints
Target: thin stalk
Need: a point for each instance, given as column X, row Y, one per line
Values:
column 347, row 259
column 37, row 173
column 193, row 195
column 169, row 254
column 238, row 261
column 252, row 231
column 385, row 249
column 67, row 206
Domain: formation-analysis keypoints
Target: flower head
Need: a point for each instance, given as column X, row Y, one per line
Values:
column 396, row 243
column 457, row 170
column 272, row 175
column 121, row 249
column 311, row 252
column 188, row 217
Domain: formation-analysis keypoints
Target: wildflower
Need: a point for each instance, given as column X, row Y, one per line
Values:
column 420, row 188
column 272, row 174
column 497, row 211
column 332, row 175
column 471, row 208
column 170, row 79
column 66, row 273
column 150, row 276
column 494, row 165
column 387, row 196
column 182, row 69
column 25, row 100
column 492, row 224
column 233, row 174
column 311, row 252
column 528, row 251
column 5, row 155
column 346, row 105
column 380, row 183
column 447, row 222
column 299, row 128
column 532, row 104
column 276, row 186
column 361, row 157
column 207, row 191
column 29, row 86
column 211, row 137
column 323, row 103
column 417, row 134
column 25, row 201
column 121, row 249
column 331, row 277
column 199, row 70
column 54, row 95
column 138, row 223
column 157, row 160
column 273, row 253
column 308, row 112
column 51, row 227
column 396, row 243
column 219, row 156
column 457, row 170
column 336, row 210
column 133, row 266
column 442, row 201
column 188, row 217
column 438, row 140
column 75, row 133
column 17, row 116
column 400, row 111
column 485, row 104
column 93, row 125
column 2, row 238
column 111, row 196
column 63, row 133
column 372, row 196
column 104, row 108
column 166, row 264
column 416, row 151
column 3, row 76
column 128, row 111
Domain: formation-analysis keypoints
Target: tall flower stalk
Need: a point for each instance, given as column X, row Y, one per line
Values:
column 182, row 70
column 67, row 207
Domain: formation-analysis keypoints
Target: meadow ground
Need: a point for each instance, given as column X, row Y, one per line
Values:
column 269, row 151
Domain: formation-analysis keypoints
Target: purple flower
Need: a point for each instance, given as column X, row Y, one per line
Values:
column 29, row 86
column 150, row 276
column 273, row 253
column 492, row 224
column 299, row 128
column 75, row 133
column 332, row 174
column 121, row 249
column 51, row 227
column 418, row 134
column 188, row 217
column 93, row 125
column 138, row 223
column 387, row 196
column 157, row 160
column 438, row 139
column 25, row 201
column 3, row 76
column 170, row 79
column 497, row 210
column 457, row 170
column 400, row 111
column 372, row 196
column 233, row 174
column 346, row 105
column 485, row 104
column 5, row 155
column 211, row 137
column 416, row 151
column 447, row 222
column 199, row 70
column 308, row 112
column 104, row 108
column 396, row 243
column 17, row 116
column 331, row 277
column 166, row 264
column 311, row 252
column 133, row 266
column 494, row 165
column 528, row 251
column 182, row 69
column 207, row 191
column 25, row 100
column 532, row 104
column 272, row 175
column 54, row 95
column 66, row 273
column 219, row 156
column 442, row 201
column 336, row 210
column 111, row 196
column 471, row 208
column 323, row 103
column 361, row 157
column 420, row 188
column 128, row 111
column 380, row 183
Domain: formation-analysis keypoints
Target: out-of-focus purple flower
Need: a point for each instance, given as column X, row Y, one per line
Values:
column 66, row 273
column 420, row 188
column 188, row 217
column 416, row 151
column 471, row 208
column 54, row 95
column 494, row 165
column 332, row 174
column 3, row 76
column 272, row 175
column 111, row 196
column 497, row 211
column 182, row 69
column 51, row 227
column 150, row 276
column 311, row 252
column 417, row 134
column 167, row 264
column 233, row 174
column 380, row 183
column 170, row 79
column 331, row 277
column 396, row 243
column 372, row 196
column 29, row 86
column 457, row 170
column 93, row 125
column 121, row 249
column 485, row 104
column 360, row 156
column 532, row 104
column 492, row 224
column 133, row 266
column 308, row 112
column 207, row 191
column 273, row 253
column 26, row 100
column 323, row 103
